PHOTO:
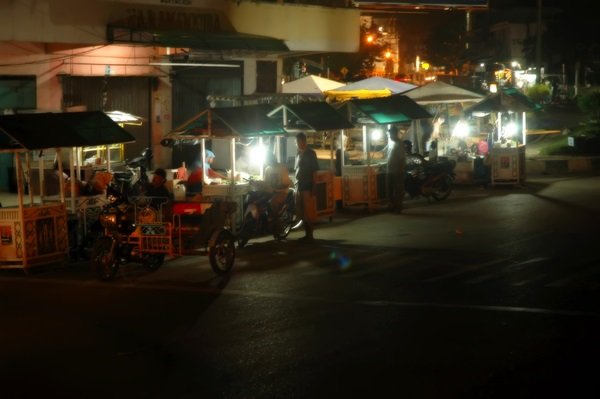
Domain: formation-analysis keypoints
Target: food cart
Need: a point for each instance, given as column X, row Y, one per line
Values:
column 224, row 127
column 508, row 111
column 35, row 232
column 446, row 103
column 318, row 118
column 364, row 178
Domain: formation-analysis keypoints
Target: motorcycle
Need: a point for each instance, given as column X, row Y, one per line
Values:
column 266, row 212
column 134, row 178
column 113, row 247
column 429, row 179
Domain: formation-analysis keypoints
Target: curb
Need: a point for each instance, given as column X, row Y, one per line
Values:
column 561, row 165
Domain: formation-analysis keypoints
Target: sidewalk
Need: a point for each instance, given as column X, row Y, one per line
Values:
column 536, row 164
column 557, row 118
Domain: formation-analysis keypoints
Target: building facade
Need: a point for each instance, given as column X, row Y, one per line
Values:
column 158, row 59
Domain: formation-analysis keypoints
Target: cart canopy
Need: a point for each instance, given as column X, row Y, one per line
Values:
column 505, row 100
column 244, row 121
column 316, row 116
column 53, row 130
column 385, row 110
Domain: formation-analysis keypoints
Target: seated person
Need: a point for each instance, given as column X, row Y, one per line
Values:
column 412, row 157
column 80, row 187
column 161, row 197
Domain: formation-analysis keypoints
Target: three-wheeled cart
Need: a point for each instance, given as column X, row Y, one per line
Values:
column 225, row 127
column 142, row 230
column 39, row 231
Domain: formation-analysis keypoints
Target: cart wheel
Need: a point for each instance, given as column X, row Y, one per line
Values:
column 246, row 231
column 284, row 223
column 153, row 261
column 222, row 254
column 442, row 188
column 104, row 260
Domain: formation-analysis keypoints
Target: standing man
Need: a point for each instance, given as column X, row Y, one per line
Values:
column 306, row 165
column 396, row 168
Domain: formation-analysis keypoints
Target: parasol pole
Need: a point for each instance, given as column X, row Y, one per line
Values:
column 19, row 167
column 61, row 180
column 524, row 128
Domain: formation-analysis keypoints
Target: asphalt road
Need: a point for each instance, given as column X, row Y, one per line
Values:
column 489, row 294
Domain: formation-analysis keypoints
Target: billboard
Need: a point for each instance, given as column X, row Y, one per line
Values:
column 425, row 3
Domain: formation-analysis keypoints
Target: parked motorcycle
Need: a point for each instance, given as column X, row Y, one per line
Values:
column 134, row 178
column 266, row 212
column 113, row 248
column 429, row 179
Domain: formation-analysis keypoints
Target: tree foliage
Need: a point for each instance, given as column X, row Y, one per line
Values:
column 590, row 103
column 538, row 92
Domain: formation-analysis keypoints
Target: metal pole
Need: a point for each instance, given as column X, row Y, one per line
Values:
column 538, row 47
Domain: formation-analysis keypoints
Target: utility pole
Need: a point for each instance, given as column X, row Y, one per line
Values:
column 538, row 47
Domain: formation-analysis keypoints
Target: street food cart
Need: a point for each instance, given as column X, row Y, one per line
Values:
column 224, row 127
column 318, row 118
column 364, row 174
column 37, row 232
column 507, row 110
column 446, row 103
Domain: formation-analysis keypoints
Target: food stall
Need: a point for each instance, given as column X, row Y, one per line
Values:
column 223, row 128
column 37, row 232
column 446, row 103
column 507, row 110
column 364, row 169
column 317, row 118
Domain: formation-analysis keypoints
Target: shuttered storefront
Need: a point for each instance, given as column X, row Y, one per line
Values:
column 191, row 86
column 127, row 94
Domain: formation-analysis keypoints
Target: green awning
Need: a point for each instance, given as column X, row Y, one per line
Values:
column 53, row 130
column 196, row 40
column 314, row 116
column 95, row 128
column 384, row 110
column 243, row 121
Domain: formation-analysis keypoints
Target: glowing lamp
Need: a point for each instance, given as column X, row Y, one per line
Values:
column 461, row 129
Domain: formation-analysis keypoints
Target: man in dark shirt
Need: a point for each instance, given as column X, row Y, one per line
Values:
column 306, row 165
column 160, row 197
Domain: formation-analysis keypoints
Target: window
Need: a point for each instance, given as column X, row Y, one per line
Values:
column 266, row 76
column 18, row 92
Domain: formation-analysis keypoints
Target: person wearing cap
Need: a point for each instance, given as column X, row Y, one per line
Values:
column 195, row 179
column 210, row 172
